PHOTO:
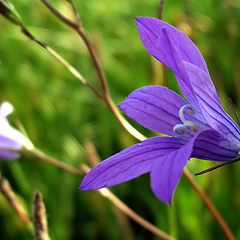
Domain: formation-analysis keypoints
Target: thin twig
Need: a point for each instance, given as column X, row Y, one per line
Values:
column 11, row 197
column 74, row 10
column 128, row 211
column 163, row 67
column 79, row 29
column 160, row 10
column 40, row 155
column 210, row 206
column 39, row 218
column 92, row 154
column 70, row 68
column 107, row 99
column 58, row 14
column 95, row 60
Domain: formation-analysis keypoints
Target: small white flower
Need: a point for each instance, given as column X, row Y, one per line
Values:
column 11, row 140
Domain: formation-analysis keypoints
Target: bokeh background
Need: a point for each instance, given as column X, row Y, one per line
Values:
column 60, row 115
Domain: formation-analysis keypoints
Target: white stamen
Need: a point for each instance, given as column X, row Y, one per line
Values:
column 181, row 129
column 190, row 112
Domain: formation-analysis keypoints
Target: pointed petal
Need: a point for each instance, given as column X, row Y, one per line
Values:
column 129, row 163
column 154, row 107
column 170, row 46
column 209, row 104
column 167, row 170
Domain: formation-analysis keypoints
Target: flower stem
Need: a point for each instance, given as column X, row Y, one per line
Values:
column 209, row 205
column 40, row 218
column 66, row 64
column 160, row 10
column 43, row 157
column 129, row 212
column 11, row 197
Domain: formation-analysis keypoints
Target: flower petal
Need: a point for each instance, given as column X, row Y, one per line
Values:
column 210, row 106
column 167, row 170
column 8, row 155
column 8, row 143
column 154, row 107
column 210, row 145
column 170, row 46
column 129, row 163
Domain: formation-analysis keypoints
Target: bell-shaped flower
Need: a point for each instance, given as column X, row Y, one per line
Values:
column 11, row 140
column 198, row 127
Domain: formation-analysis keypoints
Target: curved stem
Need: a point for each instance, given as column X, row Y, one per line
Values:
column 129, row 212
column 11, row 197
column 79, row 29
column 160, row 10
column 94, row 58
column 209, row 205
column 60, row 59
column 40, row 155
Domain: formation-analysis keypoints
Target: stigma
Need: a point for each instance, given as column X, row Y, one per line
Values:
column 181, row 129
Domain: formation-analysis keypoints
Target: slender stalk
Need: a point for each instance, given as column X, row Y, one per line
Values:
column 129, row 212
column 134, row 216
column 160, row 10
column 95, row 60
column 210, row 206
column 79, row 29
column 40, row 155
column 74, row 10
column 106, row 97
column 11, row 197
column 58, row 14
column 160, row 13
column 60, row 59
column 93, row 157
column 40, row 218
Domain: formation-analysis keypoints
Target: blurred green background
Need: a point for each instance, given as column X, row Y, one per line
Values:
column 60, row 115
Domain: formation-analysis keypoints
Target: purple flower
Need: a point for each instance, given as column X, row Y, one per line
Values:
column 198, row 128
column 11, row 140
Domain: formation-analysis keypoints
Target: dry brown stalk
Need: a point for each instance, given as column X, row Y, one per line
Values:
column 11, row 197
column 39, row 218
